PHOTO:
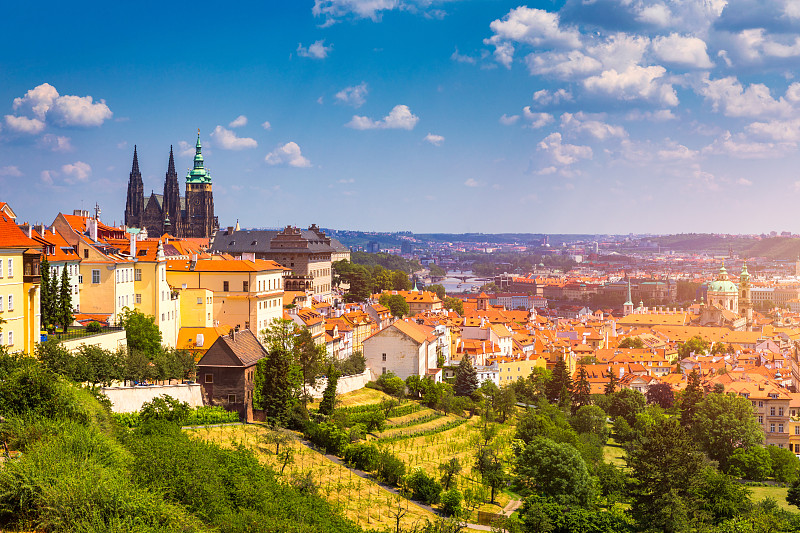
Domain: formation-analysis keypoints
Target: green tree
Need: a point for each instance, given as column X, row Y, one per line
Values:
column 396, row 304
column 785, row 464
column 64, row 304
column 311, row 357
column 437, row 271
column 720, row 496
column 400, row 281
column 631, row 342
column 582, row 390
column 278, row 375
column 438, row 289
column 505, row 402
column 626, row 403
column 793, row 495
column 590, row 419
column 696, row 345
column 723, row 423
column 555, row 471
column 665, row 466
column 141, row 332
column 753, row 464
column 559, row 387
column 466, row 377
column 48, row 295
column 691, row 397
column 449, row 471
column 613, row 381
column 328, row 403
column 454, row 304
column 381, row 279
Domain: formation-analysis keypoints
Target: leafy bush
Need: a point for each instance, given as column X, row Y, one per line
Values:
column 199, row 416
column 423, row 487
column 390, row 468
column 362, row 456
column 451, row 502
column 327, row 436
column 93, row 327
column 353, row 365
column 373, row 420
column 165, row 408
column 391, row 384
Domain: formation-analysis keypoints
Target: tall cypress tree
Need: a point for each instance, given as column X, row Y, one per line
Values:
column 328, row 403
column 558, row 390
column 613, row 380
column 582, row 392
column 64, row 309
column 47, row 294
column 691, row 396
column 466, row 377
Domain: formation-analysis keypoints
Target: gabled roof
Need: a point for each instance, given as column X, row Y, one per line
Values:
column 240, row 349
column 13, row 237
column 415, row 332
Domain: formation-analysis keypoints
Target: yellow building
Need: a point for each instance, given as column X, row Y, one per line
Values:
column 19, row 286
column 152, row 293
column 513, row 369
column 246, row 294
column 197, row 308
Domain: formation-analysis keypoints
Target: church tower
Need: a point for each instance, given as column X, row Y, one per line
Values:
column 627, row 307
column 200, row 220
column 134, row 205
column 745, row 305
column 172, row 200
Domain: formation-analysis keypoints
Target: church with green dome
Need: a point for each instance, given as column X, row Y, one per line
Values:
column 191, row 216
column 727, row 303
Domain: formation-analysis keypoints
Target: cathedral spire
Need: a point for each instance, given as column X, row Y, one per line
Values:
column 135, row 167
column 171, row 167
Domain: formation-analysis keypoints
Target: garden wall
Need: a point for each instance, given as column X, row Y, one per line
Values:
column 345, row 384
column 110, row 340
column 130, row 399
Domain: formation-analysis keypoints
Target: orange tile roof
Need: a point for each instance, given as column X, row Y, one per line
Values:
column 13, row 237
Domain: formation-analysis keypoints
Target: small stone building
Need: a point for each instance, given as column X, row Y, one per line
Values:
column 227, row 372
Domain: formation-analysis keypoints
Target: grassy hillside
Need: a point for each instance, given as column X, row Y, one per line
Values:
column 772, row 248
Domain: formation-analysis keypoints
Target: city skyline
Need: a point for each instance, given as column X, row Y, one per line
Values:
column 430, row 116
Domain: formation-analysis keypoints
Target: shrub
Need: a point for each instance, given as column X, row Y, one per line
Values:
column 362, row 456
column 328, row 436
column 165, row 408
column 93, row 327
column 373, row 420
column 423, row 487
column 451, row 502
column 391, row 384
column 390, row 469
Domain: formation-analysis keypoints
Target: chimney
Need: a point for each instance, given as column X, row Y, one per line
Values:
column 193, row 262
column 133, row 244
column 230, row 230
column 30, row 231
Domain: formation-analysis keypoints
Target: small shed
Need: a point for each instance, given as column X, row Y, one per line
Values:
column 227, row 371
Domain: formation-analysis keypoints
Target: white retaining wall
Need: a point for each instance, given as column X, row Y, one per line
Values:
column 344, row 385
column 110, row 340
column 130, row 399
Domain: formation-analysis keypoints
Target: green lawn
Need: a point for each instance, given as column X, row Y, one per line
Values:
column 778, row 493
column 613, row 453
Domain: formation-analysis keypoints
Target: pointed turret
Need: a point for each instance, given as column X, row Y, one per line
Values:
column 171, row 165
column 134, row 204
column 172, row 198
column 198, row 174
column 627, row 307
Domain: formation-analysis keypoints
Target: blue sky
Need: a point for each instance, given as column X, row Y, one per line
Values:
column 601, row 116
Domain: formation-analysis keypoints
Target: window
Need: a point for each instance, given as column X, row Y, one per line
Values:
column 245, row 286
column 780, row 428
column 780, row 411
column 1, row 274
column 95, row 276
column 771, row 411
column 760, row 419
column 761, row 404
column 1, row 338
column 383, row 357
column 231, row 398
column 224, row 286
column 209, row 378
column 137, row 274
column 80, row 278
column 10, row 337
column 772, row 428
column 199, row 301
column 384, row 370
column 86, row 253
column 138, row 298
column 10, row 269
column 797, row 430
column 10, row 305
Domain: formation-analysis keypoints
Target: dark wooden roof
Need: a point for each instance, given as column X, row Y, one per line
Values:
column 239, row 349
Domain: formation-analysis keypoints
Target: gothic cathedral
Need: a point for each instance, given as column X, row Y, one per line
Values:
column 192, row 216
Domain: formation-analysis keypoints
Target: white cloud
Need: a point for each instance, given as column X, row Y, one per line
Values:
column 48, row 176
column 656, row 14
column 227, row 140
column 561, row 153
column 471, row 183
column 536, row 120
column 740, row 147
column 545, row 97
column 570, row 65
column 682, row 50
column 10, row 171
column 56, row 143
column 354, row 96
column 436, row 140
column 575, row 125
column 662, row 115
column 185, row 149
column 460, row 58
column 635, row 82
column 79, row 170
column 370, row 9
column 43, row 104
column 744, row 181
column 733, row 100
column 620, row 51
column 756, row 45
column 776, row 130
column 507, row 120
column 238, row 122
column 266, row 125
column 400, row 117
column 676, row 152
column 535, row 27
column 288, row 154
column 317, row 50
column 31, row 126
